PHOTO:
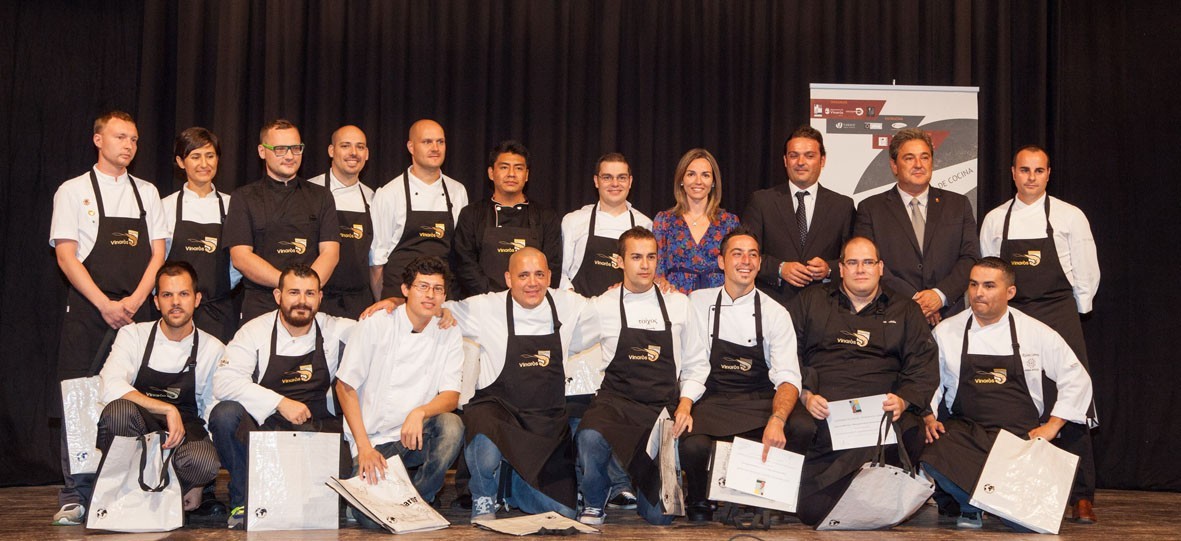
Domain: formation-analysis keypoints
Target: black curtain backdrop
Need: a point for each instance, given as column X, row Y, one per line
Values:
column 1093, row 81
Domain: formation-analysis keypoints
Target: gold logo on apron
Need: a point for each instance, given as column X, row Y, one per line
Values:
column 650, row 354
column 207, row 245
column 1031, row 258
column 436, row 231
column 541, row 359
column 357, row 231
column 742, row 364
column 611, row 261
column 170, row 393
column 130, row 238
column 998, row 376
column 859, row 338
column 511, row 247
column 304, row 374
column 298, row 246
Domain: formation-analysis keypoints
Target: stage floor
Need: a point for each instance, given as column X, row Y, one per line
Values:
column 26, row 513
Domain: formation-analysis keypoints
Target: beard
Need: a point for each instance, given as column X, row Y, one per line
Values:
column 294, row 319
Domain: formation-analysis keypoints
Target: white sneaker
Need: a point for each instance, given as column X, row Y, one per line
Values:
column 71, row 514
column 592, row 516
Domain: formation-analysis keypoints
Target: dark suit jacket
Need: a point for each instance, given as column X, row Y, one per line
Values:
column 771, row 216
column 950, row 246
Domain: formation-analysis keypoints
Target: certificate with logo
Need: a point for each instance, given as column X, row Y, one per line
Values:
column 777, row 479
column 855, row 422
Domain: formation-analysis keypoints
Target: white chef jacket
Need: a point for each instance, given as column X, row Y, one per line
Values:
column 482, row 318
column 122, row 365
column 600, row 324
column 738, row 327
column 75, row 209
column 575, row 230
column 1072, row 239
column 395, row 370
column 251, row 347
column 198, row 209
column 348, row 198
column 1042, row 350
column 389, row 209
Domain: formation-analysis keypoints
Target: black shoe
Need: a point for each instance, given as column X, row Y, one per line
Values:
column 210, row 508
column 462, row 501
column 699, row 512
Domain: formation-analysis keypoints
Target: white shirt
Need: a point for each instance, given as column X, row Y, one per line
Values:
column 75, row 209
column 1042, row 350
column 251, row 347
column 198, row 209
column 348, row 198
column 122, row 365
column 809, row 200
column 575, row 230
column 395, row 370
column 1072, row 239
column 482, row 318
column 389, row 210
column 600, row 324
column 738, row 327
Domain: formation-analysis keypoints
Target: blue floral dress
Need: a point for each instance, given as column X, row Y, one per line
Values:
column 686, row 264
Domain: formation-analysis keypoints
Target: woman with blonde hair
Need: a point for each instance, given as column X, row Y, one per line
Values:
column 689, row 235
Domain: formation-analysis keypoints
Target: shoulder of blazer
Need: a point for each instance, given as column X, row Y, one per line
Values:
column 830, row 197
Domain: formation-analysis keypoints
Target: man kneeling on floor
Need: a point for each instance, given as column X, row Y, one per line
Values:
column 399, row 381
column 276, row 375
column 991, row 362
column 159, row 377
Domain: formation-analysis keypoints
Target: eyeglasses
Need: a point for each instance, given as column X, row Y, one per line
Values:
column 423, row 287
column 609, row 178
column 281, row 150
column 854, row 263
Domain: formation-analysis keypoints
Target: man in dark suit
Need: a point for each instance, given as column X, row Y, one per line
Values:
column 926, row 236
column 803, row 224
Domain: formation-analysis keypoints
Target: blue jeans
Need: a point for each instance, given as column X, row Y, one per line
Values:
column 619, row 479
column 594, row 459
column 962, row 497
column 484, row 460
column 442, row 437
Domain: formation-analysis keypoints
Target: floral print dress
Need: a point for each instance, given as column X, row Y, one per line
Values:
column 686, row 264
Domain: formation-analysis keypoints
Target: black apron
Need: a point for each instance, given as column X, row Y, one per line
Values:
column 857, row 365
column 200, row 245
column 1044, row 293
column 178, row 389
column 639, row 383
column 738, row 391
column 598, row 270
column 291, row 236
column 500, row 243
column 302, row 378
column 426, row 233
column 523, row 412
column 992, row 395
column 116, row 263
column 348, row 292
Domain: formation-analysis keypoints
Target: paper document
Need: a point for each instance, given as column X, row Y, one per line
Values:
column 393, row 502
column 549, row 523
column 777, row 479
column 855, row 422
column 655, row 434
column 672, row 499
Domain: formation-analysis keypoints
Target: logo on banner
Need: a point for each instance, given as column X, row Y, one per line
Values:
column 304, row 374
column 297, row 246
column 541, row 359
column 511, row 247
column 433, row 231
column 998, row 376
column 818, row 110
column 741, row 364
column 207, row 245
column 650, row 353
column 357, row 231
column 260, row 512
column 130, row 238
column 1031, row 258
column 610, row 261
column 859, row 338
column 169, row 393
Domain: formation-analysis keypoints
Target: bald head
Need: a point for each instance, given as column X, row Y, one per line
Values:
column 528, row 276
column 428, row 148
column 349, row 152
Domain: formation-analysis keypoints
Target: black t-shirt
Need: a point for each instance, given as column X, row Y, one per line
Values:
column 258, row 205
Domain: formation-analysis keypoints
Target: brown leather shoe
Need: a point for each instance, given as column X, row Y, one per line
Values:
column 1083, row 512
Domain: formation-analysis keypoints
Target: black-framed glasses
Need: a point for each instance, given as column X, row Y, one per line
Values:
column 423, row 287
column 281, row 150
column 854, row 263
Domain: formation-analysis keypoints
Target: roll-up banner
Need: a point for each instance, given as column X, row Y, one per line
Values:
column 858, row 122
